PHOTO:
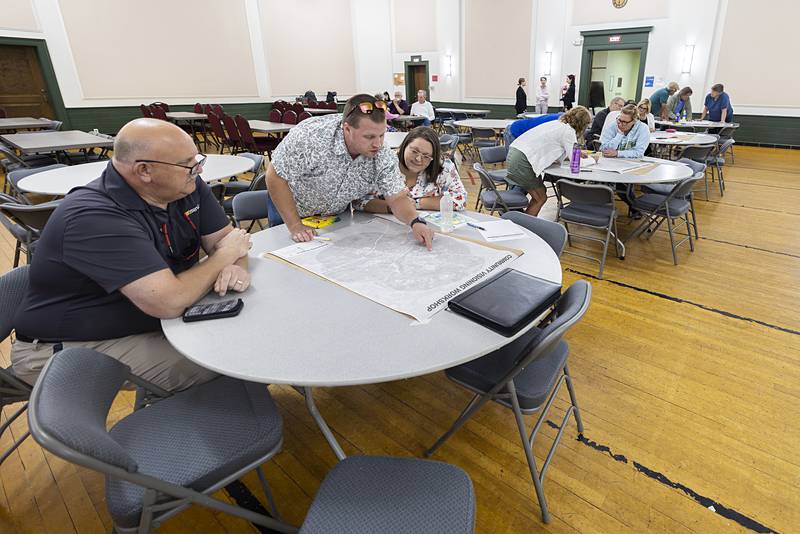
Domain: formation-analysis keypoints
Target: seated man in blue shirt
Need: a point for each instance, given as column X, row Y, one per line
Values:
column 625, row 137
column 521, row 126
column 717, row 105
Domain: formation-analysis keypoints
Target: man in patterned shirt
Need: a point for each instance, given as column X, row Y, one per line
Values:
column 324, row 163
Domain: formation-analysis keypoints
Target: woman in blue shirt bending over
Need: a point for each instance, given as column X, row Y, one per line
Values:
column 625, row 137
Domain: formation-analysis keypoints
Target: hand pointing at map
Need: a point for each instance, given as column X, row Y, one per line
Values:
column 423, row 234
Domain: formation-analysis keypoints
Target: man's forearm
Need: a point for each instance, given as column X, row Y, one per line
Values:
column 403, row 208
column 194, row 283
column 282, row 197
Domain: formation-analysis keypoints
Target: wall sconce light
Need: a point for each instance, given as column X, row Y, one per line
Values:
column 688, row 56
column 548, row 63
column 449, row 64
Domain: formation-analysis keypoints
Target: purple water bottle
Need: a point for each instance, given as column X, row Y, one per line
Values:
column 575, row 162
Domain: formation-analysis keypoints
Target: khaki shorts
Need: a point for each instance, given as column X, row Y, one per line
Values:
column 520, row 171
column 150, row 356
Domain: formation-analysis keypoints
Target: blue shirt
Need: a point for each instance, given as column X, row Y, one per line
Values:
column 715, row 107
column 658, row 99
column 519, row 127
column 631, row 145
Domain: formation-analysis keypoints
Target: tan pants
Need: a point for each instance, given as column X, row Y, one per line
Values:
column 150, row 356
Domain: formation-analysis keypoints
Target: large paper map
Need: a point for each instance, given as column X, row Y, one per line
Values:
column 382, row 261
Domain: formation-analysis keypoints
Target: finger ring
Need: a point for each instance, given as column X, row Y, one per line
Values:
column 237, row 282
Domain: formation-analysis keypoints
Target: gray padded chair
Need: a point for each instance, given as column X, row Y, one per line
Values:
column 699, row 171
column 259, row 183
column 484, row 138
column 160, row 459
column 591, row 206
column 526, row 376
column 552, row 233
column 13, row 178
column 659, row 208
column 383, row 495
column 701, row 154
column 494, row 155
column 236, row 186
column 12, row 161
column 464, row 139
column 13, row 286
column 28, row 222
column 493, row 199
column 250, row 206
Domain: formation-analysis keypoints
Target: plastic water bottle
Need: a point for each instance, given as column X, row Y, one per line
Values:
column 575, row 161
column 446, row 212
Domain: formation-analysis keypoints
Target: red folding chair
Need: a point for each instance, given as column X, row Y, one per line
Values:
column 275, row 115
column 232, row 133
column 216, row 108
column 303, row 116
column 162, row 105
column 146, row 111
column 198, row 107
column 158, row 112
column 313, row 104
column 298, row 108
column 258, row 145
column 289, row 117
column 218, row 132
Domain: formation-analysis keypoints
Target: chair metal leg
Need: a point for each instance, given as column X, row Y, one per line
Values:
column 268, row 493
column 605, row 251
column 146, row 521
column 672, row 239
column 689, row 231
column 694, row 217
column 573, row 399
column 472, row 406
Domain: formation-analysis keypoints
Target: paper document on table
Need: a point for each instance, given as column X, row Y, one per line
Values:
column 298, row 248
column 382, row 261
column 619, row 165
column 501, row 230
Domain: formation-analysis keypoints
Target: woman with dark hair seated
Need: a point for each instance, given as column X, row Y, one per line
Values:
column 427, row 174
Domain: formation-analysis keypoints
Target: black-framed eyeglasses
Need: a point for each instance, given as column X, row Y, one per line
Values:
column 619, row 120
column 194, row 170
column 192, row 248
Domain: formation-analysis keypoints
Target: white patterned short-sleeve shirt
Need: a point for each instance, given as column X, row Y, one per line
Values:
column 323, row 177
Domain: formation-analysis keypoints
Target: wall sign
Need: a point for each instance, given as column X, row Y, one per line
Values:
column 614, row 38
column 415, row 59
column 648, row 81
column 434, row 77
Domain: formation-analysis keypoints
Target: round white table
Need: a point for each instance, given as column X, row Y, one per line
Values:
column 60, row 181
column 681, row 138
column 696, row 125
column 494, row 124
column 297, row 328
column 665, row 171
column 321, row 111
column 270, row 127
column 394, row 139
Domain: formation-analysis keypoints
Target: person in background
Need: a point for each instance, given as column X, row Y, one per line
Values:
column 522, row 98
column 659, row 98
column 426, row 173
column 542, row 96
column 324, row 164
column 679, row 103
column 386, row 97
column 626, row 137
column 643, row 108
column 538, row 148
column 398, row 106
column 423, row 108
column 717, row 105
column 616, row 104
column 389, row 115
column 568, row 92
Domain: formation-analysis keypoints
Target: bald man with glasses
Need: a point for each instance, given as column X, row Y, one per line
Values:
column 122, row 253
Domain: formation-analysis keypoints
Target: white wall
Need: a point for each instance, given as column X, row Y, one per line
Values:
column 555, row 26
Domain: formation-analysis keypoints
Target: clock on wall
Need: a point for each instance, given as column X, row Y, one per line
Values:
column 619, row 4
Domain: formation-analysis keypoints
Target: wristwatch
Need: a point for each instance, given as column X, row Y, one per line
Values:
column 417, row 220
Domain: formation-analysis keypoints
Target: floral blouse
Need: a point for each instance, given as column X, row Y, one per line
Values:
column 448, row 179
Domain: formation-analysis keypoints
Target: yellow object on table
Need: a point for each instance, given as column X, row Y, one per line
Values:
column 315, row 221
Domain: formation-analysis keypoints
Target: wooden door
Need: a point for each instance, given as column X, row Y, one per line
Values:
column 23, row 92
column 416, row 79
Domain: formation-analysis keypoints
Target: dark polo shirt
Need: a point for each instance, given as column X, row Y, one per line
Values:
column 102, row 237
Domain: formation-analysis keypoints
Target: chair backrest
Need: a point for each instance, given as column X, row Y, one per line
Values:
column 444, row 116
column 250, row 205
column 684, row 188
column 13, row 286
column 450, row 128
column 15, row 176
column 697, row 167
column 198, row 107
column 551, row 232
column 158, row 112
column 459, row 116
column 725, row 146
column 303, row 116
column 161, row 105
column 218, row 191
column 298, row 108
column 482, row 133
column 216, row 126
column 486, row 180
column 207, row 109
column 53, row 125
column 32, row 218
column 493, row 154
column 259, row 183
column 699, row 152
column 146, row 111
column 245, row 133
column 592, row 194
column 726, row 133
column 69, row 419
column 275, row 115
column 230, row 129
column 313, row 104
column 569, row 309
column 257, row 159
column 216, row 108
column 289, row 117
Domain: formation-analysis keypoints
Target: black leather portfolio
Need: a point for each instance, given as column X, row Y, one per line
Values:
column 507, row 302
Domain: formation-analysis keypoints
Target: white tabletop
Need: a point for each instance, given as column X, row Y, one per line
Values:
column 186, row 115
column 17, row 123
column 394, row 139
column 681, row 138
column 494, row 124
column 529, row 115
column 464, row 110
column 51, row 141
column 409, row 118
column 60, row 181
column 665, row 172
column 270, row 127
column 696, row 124
column 297, row 328
column 321, row 111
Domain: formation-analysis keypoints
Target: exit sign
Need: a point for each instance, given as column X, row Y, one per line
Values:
column 614, row 38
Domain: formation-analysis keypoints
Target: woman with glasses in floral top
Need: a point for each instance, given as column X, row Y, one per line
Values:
column 426, row 173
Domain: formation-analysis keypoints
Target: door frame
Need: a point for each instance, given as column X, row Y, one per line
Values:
column 407, row 70
column 49, row 75
column 598, row 41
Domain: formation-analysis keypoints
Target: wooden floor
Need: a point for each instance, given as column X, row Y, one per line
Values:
column 688, row 378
